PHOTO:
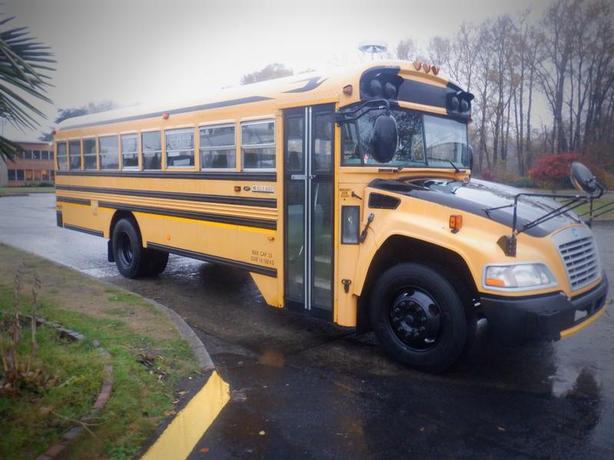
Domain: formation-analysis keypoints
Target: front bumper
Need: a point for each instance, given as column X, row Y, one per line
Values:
column 545, row 317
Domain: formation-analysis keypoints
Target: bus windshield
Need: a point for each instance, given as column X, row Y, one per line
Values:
column 424, row 141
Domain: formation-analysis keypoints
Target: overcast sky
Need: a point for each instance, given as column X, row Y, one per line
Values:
column 153, row 51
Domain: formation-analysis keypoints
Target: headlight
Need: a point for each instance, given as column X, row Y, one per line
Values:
column 518, row 276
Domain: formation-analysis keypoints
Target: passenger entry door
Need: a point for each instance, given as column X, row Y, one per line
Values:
column 308, row 213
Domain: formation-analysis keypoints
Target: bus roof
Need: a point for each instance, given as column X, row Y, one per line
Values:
column 287, row 91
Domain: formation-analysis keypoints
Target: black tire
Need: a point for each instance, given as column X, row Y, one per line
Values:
column 156, row 261
column 130, row 256
column 418, row 317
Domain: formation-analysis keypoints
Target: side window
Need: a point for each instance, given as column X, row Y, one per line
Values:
column 20, row 175
column 89, row 153
column 152, row 150
column 179, row 148
column 74, row 153
column 217, row 147
column 61, row 149
column 323, row 141
column 130, row 154
column 109, row 154
column 12, row 174
column 36, row 154
column 295, row 143
column 258, row 145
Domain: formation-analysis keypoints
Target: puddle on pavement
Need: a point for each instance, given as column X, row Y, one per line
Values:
column 272, row 358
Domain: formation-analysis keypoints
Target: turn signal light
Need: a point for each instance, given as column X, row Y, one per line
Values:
column 456, row 222
column 496, row 282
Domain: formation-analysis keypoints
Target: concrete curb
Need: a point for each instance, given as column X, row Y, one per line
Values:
column 177, row 439
column 185, row 331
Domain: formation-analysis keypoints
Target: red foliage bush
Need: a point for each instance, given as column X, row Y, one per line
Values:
column 553, row 169
column 487, row 174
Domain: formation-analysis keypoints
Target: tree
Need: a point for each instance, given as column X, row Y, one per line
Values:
column 269, row 72
column 24, row 67
column 406, row 50
column 559, row 26
column 64, row 114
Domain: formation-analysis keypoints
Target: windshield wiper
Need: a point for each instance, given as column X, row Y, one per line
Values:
column 454, row 166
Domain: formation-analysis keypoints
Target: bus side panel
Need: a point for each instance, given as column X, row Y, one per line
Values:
column 269, row 289
column 87, row 218
column 233, row 243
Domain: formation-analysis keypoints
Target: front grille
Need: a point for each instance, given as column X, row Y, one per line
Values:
column 580, row 258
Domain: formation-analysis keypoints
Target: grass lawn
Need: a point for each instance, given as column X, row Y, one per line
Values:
column 596, row 204
column 128, row 327
column 607, row 198
column 5, row 191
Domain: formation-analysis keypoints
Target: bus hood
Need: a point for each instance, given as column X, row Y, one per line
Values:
column 487, row 199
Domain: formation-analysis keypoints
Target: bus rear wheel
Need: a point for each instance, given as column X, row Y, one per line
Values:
column 156, row 261
column 130, row 256
column 418, row 317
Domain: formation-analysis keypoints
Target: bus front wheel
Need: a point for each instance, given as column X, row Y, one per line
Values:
column 418, row 317
column 130, row 256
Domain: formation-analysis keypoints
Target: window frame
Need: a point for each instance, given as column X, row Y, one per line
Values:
column 58, row 157
column 165, row 150
column 71, row 141
column 95, row 155
column 100, row 136
column 218, row 124
column 263, row 146
column 137, row 151
column 160, row 132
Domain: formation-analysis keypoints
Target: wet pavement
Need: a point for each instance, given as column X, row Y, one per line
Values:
column 302, row 388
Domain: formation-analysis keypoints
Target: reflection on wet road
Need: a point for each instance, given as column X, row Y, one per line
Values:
column 302, row 388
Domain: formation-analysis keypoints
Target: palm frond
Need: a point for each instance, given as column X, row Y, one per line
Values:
column 9, row 148
column 24, row 67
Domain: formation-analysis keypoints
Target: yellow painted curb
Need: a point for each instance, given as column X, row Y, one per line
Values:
column 190, row 424
column 578, row 327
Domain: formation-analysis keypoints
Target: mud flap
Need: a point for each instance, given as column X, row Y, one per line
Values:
column 110, row 257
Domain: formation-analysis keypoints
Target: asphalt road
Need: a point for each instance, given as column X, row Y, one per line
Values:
column 302, row 388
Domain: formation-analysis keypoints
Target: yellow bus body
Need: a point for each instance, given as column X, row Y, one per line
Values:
column 237, row 217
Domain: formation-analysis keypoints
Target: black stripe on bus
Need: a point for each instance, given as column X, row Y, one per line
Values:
column 65, row 199
column 235, row 220
column 83, row 230
column 228, row 175
column 243, row 201
column 215, row 259
column 194, row 108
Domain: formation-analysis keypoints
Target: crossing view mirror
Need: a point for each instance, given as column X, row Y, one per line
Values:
column 385, row 138
column 582, row 178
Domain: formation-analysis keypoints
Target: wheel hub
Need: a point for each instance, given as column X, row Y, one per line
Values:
column 415, row 318
column 126, row 249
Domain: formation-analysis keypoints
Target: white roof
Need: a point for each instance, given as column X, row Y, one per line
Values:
column 142, row 111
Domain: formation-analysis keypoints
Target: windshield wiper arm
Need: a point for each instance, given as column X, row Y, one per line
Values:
column 454, row 166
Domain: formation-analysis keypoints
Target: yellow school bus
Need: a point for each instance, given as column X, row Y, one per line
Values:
column 347, row 196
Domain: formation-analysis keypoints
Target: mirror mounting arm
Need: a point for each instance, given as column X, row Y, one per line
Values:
column 368, row 105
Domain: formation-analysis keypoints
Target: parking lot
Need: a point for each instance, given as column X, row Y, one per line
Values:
column 302, row 388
